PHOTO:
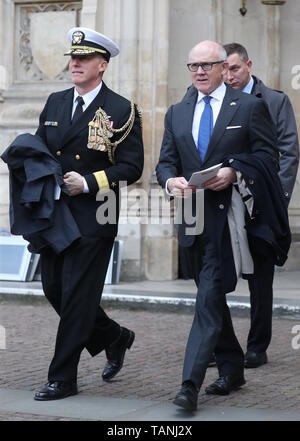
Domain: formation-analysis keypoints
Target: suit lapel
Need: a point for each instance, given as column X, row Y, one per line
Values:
column 187, row 122
column 229, row 107
column 86, row 117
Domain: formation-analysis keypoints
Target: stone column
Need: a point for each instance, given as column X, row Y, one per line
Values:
column 289, row 60
column 6, row 61
column 89, row 13
column 274, row 80
column 273, row 46
column 6, row 43
column 216, row 20
column 128, row 68
column 2, row 67
column 108, row 21
column 32, row 66
column 121, row 23
column 159, row 243
column 139, row 73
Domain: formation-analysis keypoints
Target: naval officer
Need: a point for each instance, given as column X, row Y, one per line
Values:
column 96, row 135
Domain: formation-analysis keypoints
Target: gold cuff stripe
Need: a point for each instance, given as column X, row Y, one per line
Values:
column 102, row 181
column 85, row 49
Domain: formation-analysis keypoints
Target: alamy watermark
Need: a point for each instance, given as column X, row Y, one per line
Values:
column 138, row 206
column 296, row 340
column 2, row 337
column 295, row 83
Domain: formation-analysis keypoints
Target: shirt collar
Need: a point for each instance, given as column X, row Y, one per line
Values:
column 217, row 94
column 249, row 86
column 88, row 97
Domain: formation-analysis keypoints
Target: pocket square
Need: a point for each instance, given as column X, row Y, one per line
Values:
column 233, row 127
column 51, row 123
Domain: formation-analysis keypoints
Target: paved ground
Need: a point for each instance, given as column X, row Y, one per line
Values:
column 151, row 374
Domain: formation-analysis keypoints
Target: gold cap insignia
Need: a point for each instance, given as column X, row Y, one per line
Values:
column 77, row 37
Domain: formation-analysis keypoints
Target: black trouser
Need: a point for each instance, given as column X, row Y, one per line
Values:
column 73, row 283
column 261, row 300
column 212, row 328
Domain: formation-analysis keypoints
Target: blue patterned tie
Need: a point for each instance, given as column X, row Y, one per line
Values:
column 205, row 127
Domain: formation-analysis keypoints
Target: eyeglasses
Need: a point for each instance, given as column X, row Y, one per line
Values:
column 193, row 67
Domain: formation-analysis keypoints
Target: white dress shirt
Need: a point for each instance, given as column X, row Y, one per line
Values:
column 216, row 103
column 87, row 97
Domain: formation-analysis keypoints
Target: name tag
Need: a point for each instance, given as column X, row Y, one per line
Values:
column 51, row 123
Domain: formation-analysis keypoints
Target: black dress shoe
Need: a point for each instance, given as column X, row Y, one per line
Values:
column 225, row 384
column 56, row 390
column 187, row 397
column 115, row 354
column 212, row 361
column 255, row 359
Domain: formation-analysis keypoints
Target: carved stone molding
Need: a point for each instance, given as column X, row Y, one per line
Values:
column 27, row 68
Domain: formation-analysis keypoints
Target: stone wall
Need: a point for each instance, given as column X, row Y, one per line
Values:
column 155, row 37
column 33, row 66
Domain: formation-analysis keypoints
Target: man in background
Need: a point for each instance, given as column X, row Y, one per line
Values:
column 239, row 77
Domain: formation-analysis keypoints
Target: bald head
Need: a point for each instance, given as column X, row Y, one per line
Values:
column 210, row 49
column 209, row 75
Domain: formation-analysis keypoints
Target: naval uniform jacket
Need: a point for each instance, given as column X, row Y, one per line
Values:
column 243, row 126
column 68, row 143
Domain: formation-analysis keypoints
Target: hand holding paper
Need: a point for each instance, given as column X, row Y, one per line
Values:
column 198, row 178
column 215, row 178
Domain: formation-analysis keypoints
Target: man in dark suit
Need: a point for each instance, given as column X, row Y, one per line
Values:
column 96, row 135
column 239, row 77
column 211, row 123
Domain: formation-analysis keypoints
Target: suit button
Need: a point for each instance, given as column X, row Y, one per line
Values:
column 221, row 206
column 77, row 157
column 58, row 153
column 286, row 194
column 251, row 182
